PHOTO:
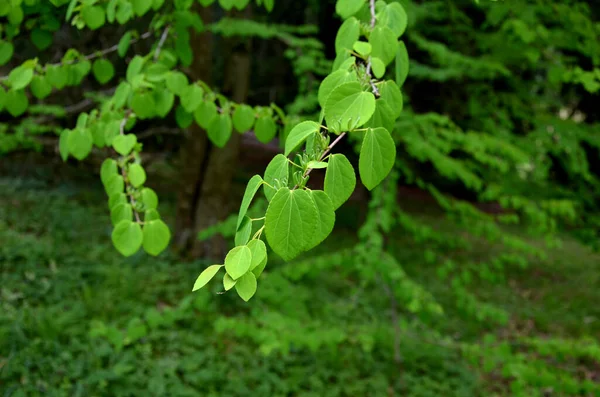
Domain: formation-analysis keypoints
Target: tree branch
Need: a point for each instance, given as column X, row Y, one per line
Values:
column 163, row 38
column 373, row 21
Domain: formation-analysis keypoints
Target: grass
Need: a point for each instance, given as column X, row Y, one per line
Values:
column 76, row 319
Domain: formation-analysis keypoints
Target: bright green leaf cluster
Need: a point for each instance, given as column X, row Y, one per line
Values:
column 352, row 96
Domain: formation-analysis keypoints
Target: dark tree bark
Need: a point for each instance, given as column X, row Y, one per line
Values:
column 208, row 171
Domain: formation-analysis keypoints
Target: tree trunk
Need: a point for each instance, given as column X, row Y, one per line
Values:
column 193, row 153
column 206, row 201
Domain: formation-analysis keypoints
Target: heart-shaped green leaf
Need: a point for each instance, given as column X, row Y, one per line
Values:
column 219, row 130
column 243, row 118
column 156, row 236
column 123, row 144
column 103, row 70
column 290, row 222
column 377, row 156
column 246, row 286
column 127, row 237
column 137, row 175
column 80, row 143
column 121, row 212
column 299, row 134
column 265, row 129
column 276, row 173
column 348, row 107
column 238, row 261
column 259, row 253
column 340, row 179
column 325, row 217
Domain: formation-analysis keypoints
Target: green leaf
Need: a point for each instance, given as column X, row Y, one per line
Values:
column 121, row 94
column 6, row 52
column 142, row 104
column 362, row 48
column 257, row 271
column 56, row 76
column 107, row 170
column 316, row 164
column 40, row 87
column 242, row 235
column 16, row 102
column 332, row 81
column 269, row 4
column 156, row 236
column 114, row 185
column 389, row 91
column 347, row 8
column 20, row 77
column 253, row 185
column 127, row 237
column 206, row 275
column 134, row 68
column 183, row 118
column 103, row 70
column 176, row 82
column 238, row 261
column 394, row 17
column 276, row 172
column 111, row 131
column 121, row 212
column 124, row 43
column 136, row 175
column 116, row 199
column 63, row 145
column 164, row 100
column 377, row 157
column 378, row 67
column 136, row 330
column 348, row 107
column 191, row 97
column 402, row 64
column 205, row 113
column 290, row 222
column 123, row 144
column 42, row 39
column 340, row 180
column 93, row 16
column 383, row 117
column 243, row 118
column 219, row 130
column 124, row 12
column 259, row 253
column 325, row 217
column 140, row 7
column 149, row 199
column 265, row 129
column 246, row 286
column 151, row 215
column 384, row 44
column 299, row 134
column 80, row 143
column 228, row 282
column 347, row 35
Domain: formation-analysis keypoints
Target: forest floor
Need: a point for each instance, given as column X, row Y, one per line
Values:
column 76, row 319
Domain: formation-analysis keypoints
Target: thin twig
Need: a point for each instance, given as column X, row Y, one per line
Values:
column 94, row 55
column 335, row 142
column 163, row 38
column 159, row 131
column 373, row 21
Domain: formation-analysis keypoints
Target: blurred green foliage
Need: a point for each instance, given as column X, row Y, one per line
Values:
column 78, row 320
